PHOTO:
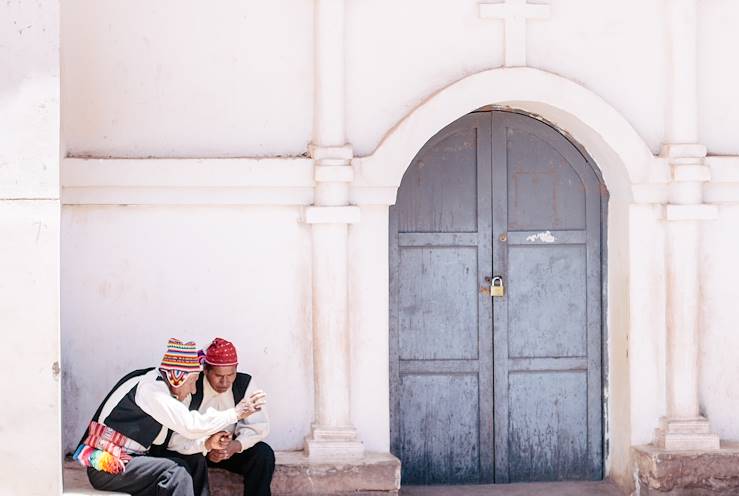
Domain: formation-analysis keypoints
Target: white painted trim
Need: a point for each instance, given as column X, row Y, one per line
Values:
column 220, row 181
column 721, row 193
column 650, row 193
column 724, row 185
column 691, row 173
column 683, row 150
column 625, row 159
column 290, row 180
column 724, row 169
column 104, row 195
column 691, row 212
column 373, row 196
column 334, row 173
column 318, row 152
column 188, row 172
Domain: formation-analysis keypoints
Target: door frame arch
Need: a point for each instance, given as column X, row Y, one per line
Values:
column 597, row 188
column 635, row 180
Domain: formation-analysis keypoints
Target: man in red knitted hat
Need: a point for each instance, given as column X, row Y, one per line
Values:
column 119, row 447
column 245, row 453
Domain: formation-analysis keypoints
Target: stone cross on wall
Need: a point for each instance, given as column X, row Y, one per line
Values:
column 515, row 13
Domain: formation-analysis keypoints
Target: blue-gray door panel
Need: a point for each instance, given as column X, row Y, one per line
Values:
column 547, row 328
column 547, row 301
column 504, row 389
column 438, row 303
column 439, row 191
column 545, row 192
column 548, row 431
column 440, row 325
column 440, row 439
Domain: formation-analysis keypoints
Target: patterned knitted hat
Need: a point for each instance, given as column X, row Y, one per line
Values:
column 221, row 353
column 179, row 361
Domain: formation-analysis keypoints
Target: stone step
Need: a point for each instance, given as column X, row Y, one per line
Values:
column 667, row 472
column 375, row 474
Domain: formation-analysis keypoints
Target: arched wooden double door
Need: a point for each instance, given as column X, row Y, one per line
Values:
column 497, row 389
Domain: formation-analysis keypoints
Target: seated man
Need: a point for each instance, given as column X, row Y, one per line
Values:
column 244, row 453
column 137, row 414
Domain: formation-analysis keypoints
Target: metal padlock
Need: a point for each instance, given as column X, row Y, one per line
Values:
column 496, row 287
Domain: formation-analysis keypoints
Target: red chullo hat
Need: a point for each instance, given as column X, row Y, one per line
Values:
column 221, row 353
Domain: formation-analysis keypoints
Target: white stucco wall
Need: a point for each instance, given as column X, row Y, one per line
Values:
column 29, row 247
column 646, row 341
column 368, row 315
column 718, row 76
column 719, row 392
column 134, row 276
column 185, row 79
column 402, row 52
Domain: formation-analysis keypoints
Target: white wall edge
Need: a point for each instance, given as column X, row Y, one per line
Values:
column 187, row 172
column 724, row 168
column 723, row 188
column 106, row 195
column 189, row 181
column 275, row 181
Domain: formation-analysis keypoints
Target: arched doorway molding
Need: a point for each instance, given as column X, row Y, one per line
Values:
column 622, row 155
column 623, row 159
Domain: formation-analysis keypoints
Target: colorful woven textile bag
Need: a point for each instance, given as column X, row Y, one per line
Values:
column 104, row 449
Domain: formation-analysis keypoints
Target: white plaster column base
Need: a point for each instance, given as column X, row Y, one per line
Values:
column 333, row 442
column 686, row 434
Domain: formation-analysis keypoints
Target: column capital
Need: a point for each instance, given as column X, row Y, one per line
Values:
column 333, row 173
column 688, row 173
column 320, row 152
column 683, row 150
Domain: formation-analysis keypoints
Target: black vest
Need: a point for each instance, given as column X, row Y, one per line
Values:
column 127, row 417
column 238, row 389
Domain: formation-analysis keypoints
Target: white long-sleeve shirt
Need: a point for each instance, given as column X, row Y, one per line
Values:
column 248, row 431
column 154, row 398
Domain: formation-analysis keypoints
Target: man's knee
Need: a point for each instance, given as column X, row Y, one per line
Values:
column 264, row 452
column 198, row 462
column 176, row 476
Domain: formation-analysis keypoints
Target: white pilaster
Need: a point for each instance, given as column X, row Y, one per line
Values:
column 328, row 125
column 683, row 428
column 682, row 112
column 332, row 434
column 29, row 247
column 514, row 13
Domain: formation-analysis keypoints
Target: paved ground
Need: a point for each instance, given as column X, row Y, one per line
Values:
column 539, row 489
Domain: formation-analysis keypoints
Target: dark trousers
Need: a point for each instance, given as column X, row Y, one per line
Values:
column 195, row 465
column 149, row 476
column 256, row 464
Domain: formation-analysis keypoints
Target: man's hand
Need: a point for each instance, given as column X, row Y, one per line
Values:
column 224, row 454
column 218, row 441
column 251, row 404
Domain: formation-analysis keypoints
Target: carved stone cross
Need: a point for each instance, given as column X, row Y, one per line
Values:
column 515, row 13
